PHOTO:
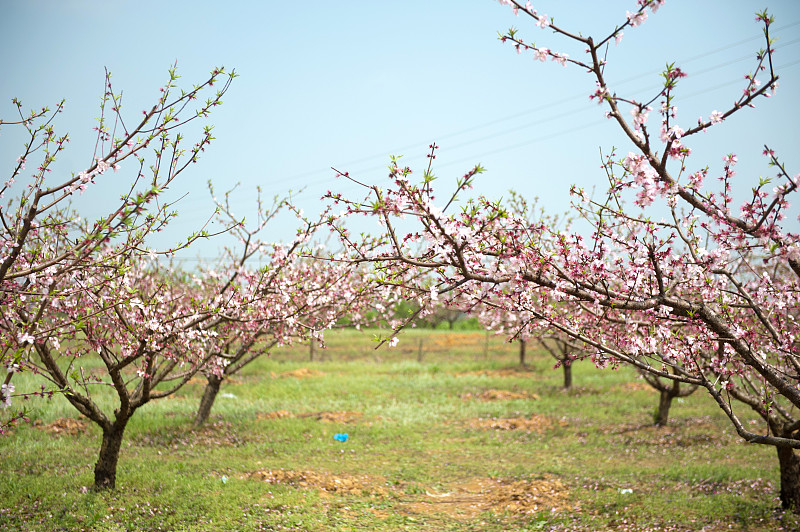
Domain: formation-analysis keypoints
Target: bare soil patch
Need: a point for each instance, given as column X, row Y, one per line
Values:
column 64, row 426
column 499, row 395
column 341, row 416
column 637, row 386
column 689, row 435
column 334, row 417
column 326, row 483
column 458, row 340
column 537, row 423
column 300, row 373
column 465, row 500
column 219, row 433
column 276, row 414
column 528, row 496
column 516, row 371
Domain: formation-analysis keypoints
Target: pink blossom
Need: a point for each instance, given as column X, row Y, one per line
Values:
column 636, row 19
column 542, row 21
column 5, row 392
column 671, row 134
column 102, row 166
column 600, row 94
column 25, row 338
column 639, row 116
column 644, row 176
column 529, row 8
column 696, row 179
column 652, row 4
column 560, row 58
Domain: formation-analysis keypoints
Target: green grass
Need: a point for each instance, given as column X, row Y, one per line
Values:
column 414, row 446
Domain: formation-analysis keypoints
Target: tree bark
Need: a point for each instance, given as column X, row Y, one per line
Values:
column 567, row 366
column 209, row 395
column 661, row 417
column 790, row 478
column 522, row 352
column 105, row 471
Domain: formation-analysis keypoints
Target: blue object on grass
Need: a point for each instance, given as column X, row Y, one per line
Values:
column 340, row 437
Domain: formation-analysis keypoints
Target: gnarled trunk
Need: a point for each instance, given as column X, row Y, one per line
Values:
column 567, row 367
column 790, row 478
column 661, row 417
column 105, row 470
column 668, row 390
column 209, row 394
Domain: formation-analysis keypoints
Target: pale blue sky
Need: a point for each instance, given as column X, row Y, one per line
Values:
column 347, row 83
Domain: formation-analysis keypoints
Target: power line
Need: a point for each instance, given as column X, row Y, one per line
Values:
column 548, row 136
column 309, row 189
column 277, row 185
column 538, row 109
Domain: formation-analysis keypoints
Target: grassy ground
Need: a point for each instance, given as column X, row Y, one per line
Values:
column 445, row 432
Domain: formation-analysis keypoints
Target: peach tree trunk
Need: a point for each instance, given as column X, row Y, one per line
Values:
column 661, row 417
column 209, row 395
column 567, row 367
column 105, row 470
column 790, row 478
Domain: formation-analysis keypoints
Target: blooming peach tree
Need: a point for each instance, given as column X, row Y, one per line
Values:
column 301, row 298
column 706, row 296
column 520, row 325
column 136, row 332
column 292, row 297
column 85, row 305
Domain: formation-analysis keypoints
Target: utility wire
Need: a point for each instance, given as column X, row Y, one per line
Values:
column 352, row 166
column 538, row 109
column 550, row 135
column 346, row 186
